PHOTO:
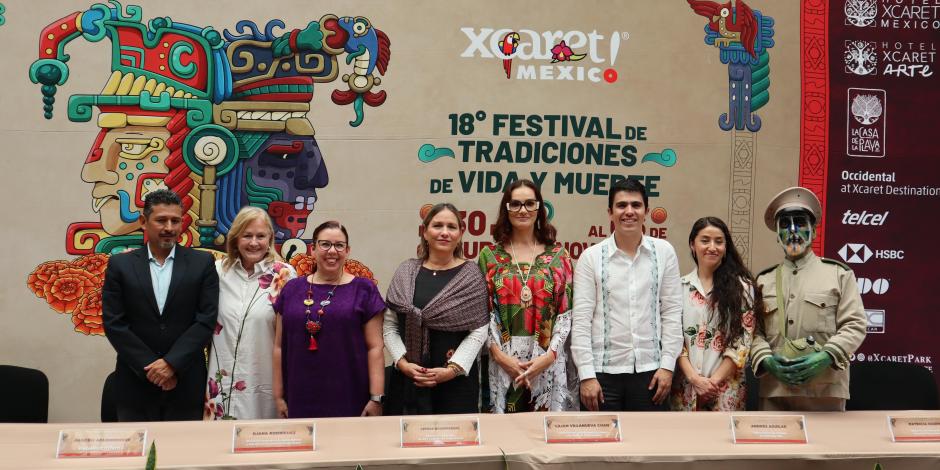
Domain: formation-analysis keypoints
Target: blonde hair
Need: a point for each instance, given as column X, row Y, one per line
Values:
column 243, row 219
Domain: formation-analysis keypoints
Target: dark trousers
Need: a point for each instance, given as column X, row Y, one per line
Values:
column 460, row 395
column 628, row 392
column 139, row 400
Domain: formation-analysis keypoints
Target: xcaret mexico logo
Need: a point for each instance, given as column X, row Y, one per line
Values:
column 548, row 55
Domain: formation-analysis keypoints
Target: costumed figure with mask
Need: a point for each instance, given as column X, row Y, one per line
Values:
column 814, row 319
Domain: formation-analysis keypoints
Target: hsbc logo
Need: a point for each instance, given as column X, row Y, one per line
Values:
column 876, row 320
column 855, row 253
column 876, row 286
column 864, row 218
column 859, row 253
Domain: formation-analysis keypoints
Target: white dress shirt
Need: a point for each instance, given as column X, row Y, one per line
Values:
column 161, row 275
column 627, row 315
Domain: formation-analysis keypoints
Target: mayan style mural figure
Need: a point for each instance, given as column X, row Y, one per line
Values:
column 743, row 37
column 219, row 118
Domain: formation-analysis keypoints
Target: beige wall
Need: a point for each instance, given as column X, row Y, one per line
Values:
column 669, row 81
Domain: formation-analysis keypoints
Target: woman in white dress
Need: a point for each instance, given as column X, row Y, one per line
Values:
column 240, row 358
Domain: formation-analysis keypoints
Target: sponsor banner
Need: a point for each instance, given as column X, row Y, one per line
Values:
column 882, row 166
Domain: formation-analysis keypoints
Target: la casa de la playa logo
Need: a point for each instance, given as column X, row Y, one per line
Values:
column 526, row 54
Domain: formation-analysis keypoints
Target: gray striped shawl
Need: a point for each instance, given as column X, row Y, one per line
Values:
column 460, row 306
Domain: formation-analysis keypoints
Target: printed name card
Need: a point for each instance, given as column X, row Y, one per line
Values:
column 440, row 432
column 101, row 443
column 914, row 428
column 768, row 429
column 572, row 428
column 280, row 437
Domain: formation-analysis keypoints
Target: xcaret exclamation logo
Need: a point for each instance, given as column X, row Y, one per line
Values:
column 525, row 54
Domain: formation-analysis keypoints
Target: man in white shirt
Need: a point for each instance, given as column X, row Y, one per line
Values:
column 627, row 321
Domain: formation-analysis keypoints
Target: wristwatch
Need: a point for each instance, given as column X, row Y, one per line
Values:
column 380, row 398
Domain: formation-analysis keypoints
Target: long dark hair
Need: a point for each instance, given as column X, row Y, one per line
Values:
column 544, row 231
column 730, row 298
column 424, row 250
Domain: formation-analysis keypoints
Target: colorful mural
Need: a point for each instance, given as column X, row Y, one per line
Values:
column 219, row 118
column 743, row 37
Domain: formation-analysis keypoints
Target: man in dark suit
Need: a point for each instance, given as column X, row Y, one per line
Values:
column 160, row 304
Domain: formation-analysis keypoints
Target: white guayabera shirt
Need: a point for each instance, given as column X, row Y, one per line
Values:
column 627, row 315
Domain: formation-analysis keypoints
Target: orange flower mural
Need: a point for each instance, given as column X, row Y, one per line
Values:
column 41, row 276
column 95, row 263
column 360, row 270
column 306, row 265
column 303, row 264
column 67, row 287
column 87, row 315
column 74, row 288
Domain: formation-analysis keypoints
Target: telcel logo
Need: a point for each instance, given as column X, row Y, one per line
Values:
column 864, row 218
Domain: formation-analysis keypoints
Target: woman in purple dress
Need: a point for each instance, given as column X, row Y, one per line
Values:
column 328, row 358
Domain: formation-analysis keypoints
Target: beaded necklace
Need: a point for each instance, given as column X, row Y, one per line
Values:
column 314, row 326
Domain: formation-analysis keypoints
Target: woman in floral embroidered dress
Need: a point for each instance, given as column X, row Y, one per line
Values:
column 250, row 276
column 718, row 323
column 529, row 281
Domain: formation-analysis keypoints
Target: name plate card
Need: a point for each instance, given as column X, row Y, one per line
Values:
column 440, row 432
column 101, row 443
column 573, row 428
column 914, row 428
column 769, row 429
column 280, row 437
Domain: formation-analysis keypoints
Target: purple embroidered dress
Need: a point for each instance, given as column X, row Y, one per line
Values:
column 333, row 380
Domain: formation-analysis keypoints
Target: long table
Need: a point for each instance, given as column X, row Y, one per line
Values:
column 852, row 440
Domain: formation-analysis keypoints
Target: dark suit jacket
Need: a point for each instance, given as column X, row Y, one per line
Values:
column 141, row 335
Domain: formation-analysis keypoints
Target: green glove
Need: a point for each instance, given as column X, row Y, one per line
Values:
column 806, row 368
column 778, row 367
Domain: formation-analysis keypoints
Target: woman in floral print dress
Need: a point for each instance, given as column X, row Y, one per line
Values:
column 718, row 323
column 240, row 358
column 529, row 280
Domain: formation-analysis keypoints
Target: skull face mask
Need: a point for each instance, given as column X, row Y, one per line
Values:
column 795, row 233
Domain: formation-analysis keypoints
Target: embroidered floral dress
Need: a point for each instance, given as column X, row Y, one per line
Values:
column 526, row 330
column 240, row 358
column 705, row 347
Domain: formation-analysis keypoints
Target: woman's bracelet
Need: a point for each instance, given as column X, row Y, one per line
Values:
column 458, row 371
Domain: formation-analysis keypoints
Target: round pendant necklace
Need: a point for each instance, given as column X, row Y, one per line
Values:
column 434, row 271
column 314, row 326
column 526, row 294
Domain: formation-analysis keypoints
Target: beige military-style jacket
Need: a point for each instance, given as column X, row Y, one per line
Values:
column 821, row 299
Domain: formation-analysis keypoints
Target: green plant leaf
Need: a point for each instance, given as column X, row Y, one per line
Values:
column 152, row 457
